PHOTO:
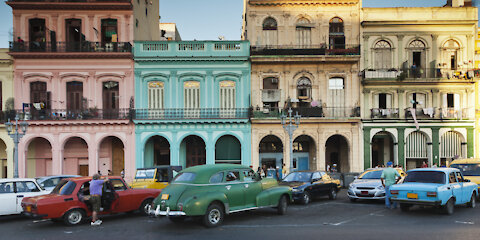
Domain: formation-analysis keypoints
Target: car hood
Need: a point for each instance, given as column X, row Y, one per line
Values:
column 416, row 186
column 292, row 184
column 367, row 183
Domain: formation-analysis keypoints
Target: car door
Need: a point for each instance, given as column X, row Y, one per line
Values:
column 252, row 188
column 317, row 184
column 8, row 198
column 124, row 198
column 26, row 189
column 455, row 187
column 234, row 190
column 465, row 192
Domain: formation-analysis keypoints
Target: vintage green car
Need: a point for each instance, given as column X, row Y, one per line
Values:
column 211, row 191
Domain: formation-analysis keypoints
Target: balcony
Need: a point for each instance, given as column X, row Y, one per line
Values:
column 322, row 49
column 310, row 112
column 271, row 95
column 189, row 49
column 86, row 46
column 441, row 113
column 187, row 114
column 419, row 73
column 65, row 114
column 384, row 113
column 71, row 4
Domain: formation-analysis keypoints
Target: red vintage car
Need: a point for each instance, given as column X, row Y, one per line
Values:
column 69, row 203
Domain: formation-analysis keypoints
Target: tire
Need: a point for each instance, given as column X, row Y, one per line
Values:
column 74, row 217
column 353, row 200
column 449, row 207
column 306, row 198
column 282, row 205
column 472, row 202
column 214, row 216
column 177, row 219
column 332, row 195
column 144, row 207
column 404, row 207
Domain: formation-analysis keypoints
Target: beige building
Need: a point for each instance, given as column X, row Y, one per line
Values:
column 169, row 32
column 146, row 19
column 418, row 96
column 305, row 55
column 6, row 103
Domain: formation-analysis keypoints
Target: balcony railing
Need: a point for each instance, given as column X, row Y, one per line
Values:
column 310, row 112
column 70, row 47
column 441, row 113
column 185, row 114
column 65, row 114
column 322, row 49
column 384, row 113
column 414, row 73
column 453, row 113
column 169, row 49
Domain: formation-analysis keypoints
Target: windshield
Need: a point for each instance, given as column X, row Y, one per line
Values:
column 185, row 177
column 298, row 177
column 425, row 177
column 64, row 187
column 145, row 174
column 468, row 169
column 372, row 175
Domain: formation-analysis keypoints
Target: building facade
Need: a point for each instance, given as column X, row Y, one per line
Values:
column 6, row 103
column 192, row 103
column 73, row 77
column 418, row 96
column 305, row 56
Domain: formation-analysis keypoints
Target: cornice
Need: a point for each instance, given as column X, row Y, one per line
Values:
column 70, row 5
column 43, row 123
column 301, row 2
column 70, row 55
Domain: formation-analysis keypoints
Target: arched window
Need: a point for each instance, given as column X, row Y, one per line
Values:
column 383, row 55
column 269, row 31
column 227, row 99
column 336, row 33
column 191, row 98
column 155, row 95
column 304, row 88
column 417, row 56
column 450, row 52
column 303, row 32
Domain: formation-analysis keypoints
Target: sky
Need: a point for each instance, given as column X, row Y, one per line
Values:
column 208, row 19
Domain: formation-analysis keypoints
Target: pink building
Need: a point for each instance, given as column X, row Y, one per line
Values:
column 74, row 84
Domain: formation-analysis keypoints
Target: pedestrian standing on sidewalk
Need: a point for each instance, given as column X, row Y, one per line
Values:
column 388, row 178
column 96, row 186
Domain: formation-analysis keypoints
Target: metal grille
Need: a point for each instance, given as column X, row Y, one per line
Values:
column 416, row 146
column 450, row 145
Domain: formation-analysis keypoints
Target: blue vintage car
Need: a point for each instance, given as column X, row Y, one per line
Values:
column 441, row 187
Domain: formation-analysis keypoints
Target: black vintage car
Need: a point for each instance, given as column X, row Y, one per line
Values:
column 307, row 185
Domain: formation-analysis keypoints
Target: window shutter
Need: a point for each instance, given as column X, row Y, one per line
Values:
column 389, row 101
column 410, row 100
column 456, row 101
column 444, row 100
column 376, row 101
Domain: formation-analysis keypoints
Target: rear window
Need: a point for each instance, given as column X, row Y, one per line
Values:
column 185, row 177
column 64, row 187
column 468, row 169
column 145, row 174
column 372, row 175
column 425, row 177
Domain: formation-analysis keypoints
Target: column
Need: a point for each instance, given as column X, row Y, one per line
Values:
column 57, row 158
column 22, row 159
column 365, row 51
column 434, row 52
column 320, row 151
column 366, row 104
column 470, row 142
column 470, row 46
column 9, row 162
column 175, row 94
column 209, row 92
column 435, row 146
column 366, row 148
column 435, row 102
column 400, row 50
column 92, row 159
column 141, row 90
column 210, row 150
column 401, row 103
column 401, row 146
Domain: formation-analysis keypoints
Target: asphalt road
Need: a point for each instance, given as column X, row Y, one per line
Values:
column 322, row 219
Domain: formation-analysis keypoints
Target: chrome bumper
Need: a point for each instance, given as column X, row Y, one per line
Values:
column 167, row 213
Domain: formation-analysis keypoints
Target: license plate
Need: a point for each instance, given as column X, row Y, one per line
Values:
column 364, row 192
column 29, row 208
column 165, row 196
column 412, row 195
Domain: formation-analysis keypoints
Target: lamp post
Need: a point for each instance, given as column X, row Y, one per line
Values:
column 290, row 125
column 16, row 135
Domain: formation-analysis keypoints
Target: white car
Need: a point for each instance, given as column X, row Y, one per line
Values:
column 50, row 182
column 13, row 190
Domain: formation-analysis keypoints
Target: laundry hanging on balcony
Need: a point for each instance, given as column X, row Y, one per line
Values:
column 414, row 115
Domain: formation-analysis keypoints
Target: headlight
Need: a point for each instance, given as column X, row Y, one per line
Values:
column 296, row 190
column 351, row 185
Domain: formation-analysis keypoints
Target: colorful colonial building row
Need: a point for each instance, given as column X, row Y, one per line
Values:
column 370, row 87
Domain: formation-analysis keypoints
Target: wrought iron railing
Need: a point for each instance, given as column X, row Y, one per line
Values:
column 413, row 73
column 308, row 112
column 197, row 113
column 441, row 113
column 322, row 49
column 66, row 114
column 384, row 113
column 85, row 46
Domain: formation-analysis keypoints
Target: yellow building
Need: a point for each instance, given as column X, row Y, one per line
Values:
column 6, row 103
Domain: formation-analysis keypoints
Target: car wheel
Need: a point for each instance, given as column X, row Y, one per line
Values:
column 404, row 207
column 332, row 195
column 306, row 198
column 472, row 202
column 353, row 199
column 214, row 216
column 74, row 217
column 282, row 205
column 177, row 219
column 450, row 206
column 145, row 207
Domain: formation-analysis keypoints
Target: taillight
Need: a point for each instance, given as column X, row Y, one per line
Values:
column 394, row 192
column 431, row 194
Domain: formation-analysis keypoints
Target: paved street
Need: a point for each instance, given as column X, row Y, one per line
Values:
column 322, row 219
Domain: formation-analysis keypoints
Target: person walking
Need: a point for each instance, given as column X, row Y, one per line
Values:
column 388, row 178
column 96, row 186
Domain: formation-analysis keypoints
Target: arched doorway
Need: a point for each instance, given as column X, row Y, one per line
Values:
column 382, row 149
column 157, row 152
column 192, row 151
column 416, row 150
column 111, row 155
column 271, row 152
column 337, row 152
column 75, row 155
column 39, row 158
column 3, row 160
column 228, row 150
column 304, row 153
column 451, row 147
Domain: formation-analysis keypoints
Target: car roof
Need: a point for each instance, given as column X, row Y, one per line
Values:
column 56, row 176
column 445, row 170
column 160, row 166
column 16, row 179
column 204, row 172
column 466, row 161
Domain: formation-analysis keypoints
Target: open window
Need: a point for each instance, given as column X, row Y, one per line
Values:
column 109, row 31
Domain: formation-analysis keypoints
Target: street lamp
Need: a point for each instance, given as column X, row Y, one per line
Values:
column 16, row 136
column 290, row 125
